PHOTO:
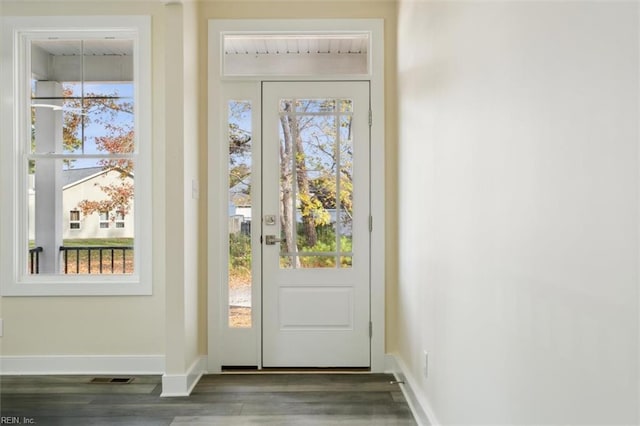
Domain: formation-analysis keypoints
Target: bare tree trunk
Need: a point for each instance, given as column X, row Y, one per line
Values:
column 293, row 139
column 308, row 224
column 287, row 210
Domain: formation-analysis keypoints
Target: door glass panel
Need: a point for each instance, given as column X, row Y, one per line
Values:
column 346, row 105
column 316, row 190
column 315, row 105
column 240, row 281
column 345, row 207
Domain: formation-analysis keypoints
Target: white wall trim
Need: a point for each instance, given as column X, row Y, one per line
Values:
column 182, row 384
column 638, row 262
column 418, row 402
column 82, row 364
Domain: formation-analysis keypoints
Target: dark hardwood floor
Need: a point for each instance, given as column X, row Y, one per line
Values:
column 227, row 399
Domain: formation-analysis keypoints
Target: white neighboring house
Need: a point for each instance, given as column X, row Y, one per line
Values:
column 84, row 184
column 239, row 208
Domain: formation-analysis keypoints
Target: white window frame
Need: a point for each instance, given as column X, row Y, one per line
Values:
column 74, row 221
column 103, row 219
column 17, row 32
column 119, row 219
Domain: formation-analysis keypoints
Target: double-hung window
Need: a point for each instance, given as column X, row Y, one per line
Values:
column 120, row 219
column 75, row 143
column 74, row 219
column 104, row 219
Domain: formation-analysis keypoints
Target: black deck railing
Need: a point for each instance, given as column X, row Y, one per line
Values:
column 97, row 259
column 88, row 259
column 34, row 260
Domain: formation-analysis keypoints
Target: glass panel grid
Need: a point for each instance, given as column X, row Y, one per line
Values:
column 316, row 190
column 81, row 154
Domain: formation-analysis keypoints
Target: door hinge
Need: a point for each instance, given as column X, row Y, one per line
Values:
column 370, row 118
column 260, row 239
column 370, row 223
column 370, row 329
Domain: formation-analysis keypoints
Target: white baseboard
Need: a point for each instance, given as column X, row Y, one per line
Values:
column 183, row 384
column 417, row 401
column 82, row 364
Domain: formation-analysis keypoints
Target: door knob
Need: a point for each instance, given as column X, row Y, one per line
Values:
column 271, row 240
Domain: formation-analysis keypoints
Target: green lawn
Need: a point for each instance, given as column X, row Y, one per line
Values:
column 116, row 242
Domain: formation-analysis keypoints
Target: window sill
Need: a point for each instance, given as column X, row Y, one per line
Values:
column 56, row 285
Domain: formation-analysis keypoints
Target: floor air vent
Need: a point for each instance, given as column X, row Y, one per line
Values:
column 120, row 380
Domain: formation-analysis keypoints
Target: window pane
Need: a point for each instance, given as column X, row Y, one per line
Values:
column 73, row 212
column 346, row 105
column 316, row 189
column 240, row 140
column 318, row 261
column 109, row 110
column 315, row 105
column 81, row 208
column 345, row 207
column 82, row 99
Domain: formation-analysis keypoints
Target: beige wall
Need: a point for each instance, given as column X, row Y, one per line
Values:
column 137, row 325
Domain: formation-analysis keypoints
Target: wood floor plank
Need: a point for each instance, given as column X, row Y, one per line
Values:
column 227, row 399
column 292, row 420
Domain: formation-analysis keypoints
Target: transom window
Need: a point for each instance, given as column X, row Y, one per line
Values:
column 81, row 101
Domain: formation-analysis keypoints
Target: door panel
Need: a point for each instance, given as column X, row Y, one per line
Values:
column 316, row 224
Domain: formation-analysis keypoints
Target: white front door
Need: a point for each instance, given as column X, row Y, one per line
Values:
column 315, row 224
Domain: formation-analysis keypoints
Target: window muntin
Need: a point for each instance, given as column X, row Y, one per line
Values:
column 74, row 219
column 120, row 219
column 83, row 119
column 20, row 69
column 104, row 219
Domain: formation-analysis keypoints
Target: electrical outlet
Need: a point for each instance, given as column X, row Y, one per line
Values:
column 426, row 364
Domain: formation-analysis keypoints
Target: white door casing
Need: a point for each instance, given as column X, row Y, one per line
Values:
column 220, row 337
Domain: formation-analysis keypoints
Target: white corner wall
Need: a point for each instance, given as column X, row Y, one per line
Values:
column 184, row 365
column 518, row 233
